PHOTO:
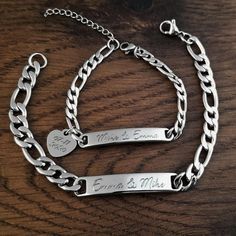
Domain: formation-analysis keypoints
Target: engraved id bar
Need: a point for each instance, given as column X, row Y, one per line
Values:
column 124, row 136
column 127, row 183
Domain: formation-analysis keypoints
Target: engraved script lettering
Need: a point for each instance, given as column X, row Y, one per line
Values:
column 131, row 184
column 127, row 135
column 128, row 183
column 139, row 136
column 59, row 143
column 139, row 183
column 151, row 183
column 58, row 147
column 105, row 137
column 99, row 185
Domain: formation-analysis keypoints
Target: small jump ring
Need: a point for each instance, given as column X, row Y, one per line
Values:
column 113, row 42
column 38, row 55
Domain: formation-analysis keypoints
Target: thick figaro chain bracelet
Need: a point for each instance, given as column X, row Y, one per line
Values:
column 117, row 183
column 61, row 143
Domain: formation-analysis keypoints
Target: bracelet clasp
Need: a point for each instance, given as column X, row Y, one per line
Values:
column 169, row 27
column 127, row 47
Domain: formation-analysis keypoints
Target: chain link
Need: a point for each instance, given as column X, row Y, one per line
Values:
column 177, row 129
column 83, row 74
column 89, row 65
column 211, row 115
column 70, row 182
column 24, row 137
column 86, row 69
column 83, row 20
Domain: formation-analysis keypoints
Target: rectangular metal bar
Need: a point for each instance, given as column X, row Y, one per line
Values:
column 125, row 135
column 127, row 183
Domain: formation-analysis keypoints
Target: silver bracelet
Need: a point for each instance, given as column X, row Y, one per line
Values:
column 118, row 183
column 61, row 143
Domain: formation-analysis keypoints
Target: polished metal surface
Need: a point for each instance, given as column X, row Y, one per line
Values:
column 91, row 64
column 123, row 183
column 139, row 52
column 124, row 136
column 126, row 183
column 24, row 137
column 203, row 154
column 60, row 143
column 97, row 58
column 79, row 81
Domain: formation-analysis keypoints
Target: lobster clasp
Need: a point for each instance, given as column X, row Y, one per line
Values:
column 128, row 47
column 169, row 27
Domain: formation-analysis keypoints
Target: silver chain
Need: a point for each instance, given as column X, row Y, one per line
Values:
column 74, row 91
column 85, row 71
column 210, row 101
column 70, row 182
column 97, row 58
column 24, row 137
column 139, row 52
column 83, row 20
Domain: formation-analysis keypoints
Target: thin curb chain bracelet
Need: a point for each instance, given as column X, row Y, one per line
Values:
column 61, row 143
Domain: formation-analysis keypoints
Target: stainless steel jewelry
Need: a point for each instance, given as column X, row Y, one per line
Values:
column 119, row 183
column 60, row 143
